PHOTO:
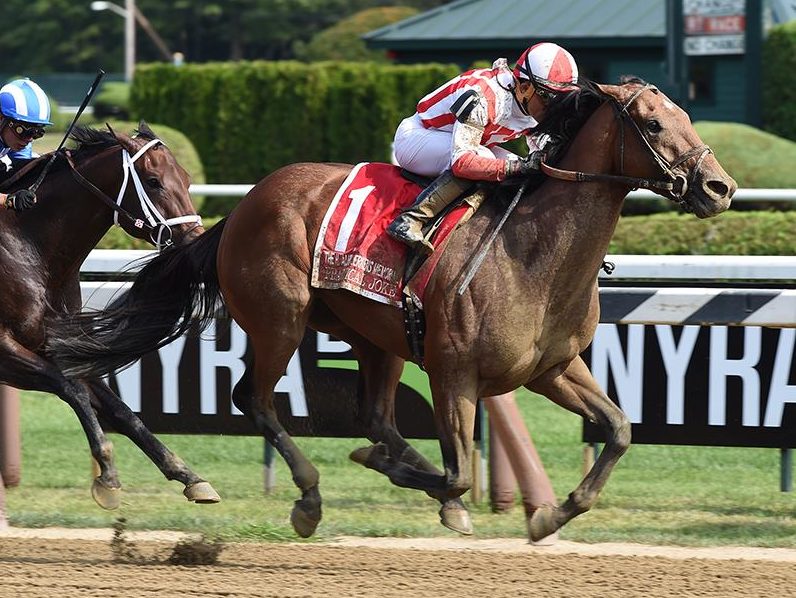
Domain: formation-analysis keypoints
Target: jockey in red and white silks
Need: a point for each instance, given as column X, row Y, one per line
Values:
column 433, row 140
column 456, row 133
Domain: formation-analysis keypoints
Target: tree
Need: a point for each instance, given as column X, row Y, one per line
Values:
column 343, row 42
column 49, row 36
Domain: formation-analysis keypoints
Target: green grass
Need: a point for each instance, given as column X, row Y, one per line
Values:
column 665, row 495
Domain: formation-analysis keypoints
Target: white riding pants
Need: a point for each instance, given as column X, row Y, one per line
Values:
column 428, row 151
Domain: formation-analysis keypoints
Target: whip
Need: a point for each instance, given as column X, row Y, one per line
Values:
column 86, row 100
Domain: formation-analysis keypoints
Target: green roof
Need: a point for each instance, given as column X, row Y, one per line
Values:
column 480, row 23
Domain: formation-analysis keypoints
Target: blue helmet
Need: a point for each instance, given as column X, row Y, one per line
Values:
column 23, row 100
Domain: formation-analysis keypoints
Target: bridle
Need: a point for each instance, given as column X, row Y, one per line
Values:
column 158, row 227
column 675, row 185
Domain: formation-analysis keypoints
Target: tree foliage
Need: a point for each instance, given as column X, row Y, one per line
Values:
column 343, row 41
column 47, row 36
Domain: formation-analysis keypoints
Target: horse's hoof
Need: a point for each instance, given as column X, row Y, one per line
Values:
column 304, row 522
column 542, row 524
column 456, row 518
column 106, row 497
column 376, row 456
column 361, row 455
column 201, row 493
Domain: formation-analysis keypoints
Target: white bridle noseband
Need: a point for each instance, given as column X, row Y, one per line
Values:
column 156, row 221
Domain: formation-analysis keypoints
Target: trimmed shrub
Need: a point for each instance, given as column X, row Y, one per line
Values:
column 754, row 158
column 731, row 233
column 248, row 118
column 113, row 101
column 779, row 81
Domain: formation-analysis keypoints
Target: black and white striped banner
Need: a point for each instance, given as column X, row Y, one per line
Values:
column 699, row 306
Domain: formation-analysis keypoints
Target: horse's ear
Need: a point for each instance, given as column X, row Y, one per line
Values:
column 145, row 131
column 123, row 140
column 614, row 91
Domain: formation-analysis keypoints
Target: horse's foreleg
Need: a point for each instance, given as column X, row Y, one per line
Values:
column 124, row 421
column 254, row 395
column 454, row 416
column 577, row 390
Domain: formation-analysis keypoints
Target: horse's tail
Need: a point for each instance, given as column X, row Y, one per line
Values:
column 174, row 289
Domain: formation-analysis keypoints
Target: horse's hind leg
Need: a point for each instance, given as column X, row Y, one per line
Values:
column 124, row 421
column 577, row 390
column 24, row 369
column 379, row 373
column 254, row 396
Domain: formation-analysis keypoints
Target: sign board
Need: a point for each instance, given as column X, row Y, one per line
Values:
column 186, row 388
column 712, row 27
column 691, row 385
column 715, row 386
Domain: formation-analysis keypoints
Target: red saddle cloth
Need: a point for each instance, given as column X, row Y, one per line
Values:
column 353, row 250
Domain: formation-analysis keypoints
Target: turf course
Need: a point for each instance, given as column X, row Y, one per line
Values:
column 664, row 495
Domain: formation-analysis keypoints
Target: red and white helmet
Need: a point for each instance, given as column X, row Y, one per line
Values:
column 547, row 65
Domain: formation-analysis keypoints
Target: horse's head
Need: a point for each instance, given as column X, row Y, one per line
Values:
column 658, row 145
column 154, row 191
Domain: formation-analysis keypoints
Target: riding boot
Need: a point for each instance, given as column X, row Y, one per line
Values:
column 408, row 225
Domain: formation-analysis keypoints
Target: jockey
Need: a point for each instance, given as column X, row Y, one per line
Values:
column 456, row 133
column 24, row 112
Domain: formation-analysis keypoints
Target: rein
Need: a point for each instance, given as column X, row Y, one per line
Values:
column 158, row 227
column 675, row 184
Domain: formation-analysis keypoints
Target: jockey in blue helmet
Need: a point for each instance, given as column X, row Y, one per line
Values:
column 24, row 112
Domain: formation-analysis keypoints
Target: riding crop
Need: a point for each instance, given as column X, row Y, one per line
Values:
column 86, row 100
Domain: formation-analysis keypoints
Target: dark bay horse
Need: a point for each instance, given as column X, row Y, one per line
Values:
column 524, row 319
column 107, row 178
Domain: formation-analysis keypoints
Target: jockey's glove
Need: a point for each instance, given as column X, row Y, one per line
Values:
column 525, row 166
column 23, row 199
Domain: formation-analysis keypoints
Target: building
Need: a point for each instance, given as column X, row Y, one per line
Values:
column 610, row 38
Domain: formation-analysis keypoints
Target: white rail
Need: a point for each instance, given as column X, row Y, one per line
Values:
column 740, row 195
column 702, row 267
column 652, row 267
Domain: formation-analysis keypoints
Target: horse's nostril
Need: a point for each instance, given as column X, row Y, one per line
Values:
column 717, row 188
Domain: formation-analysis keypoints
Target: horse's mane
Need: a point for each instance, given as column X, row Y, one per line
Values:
column 88, row 142
column 567, row 114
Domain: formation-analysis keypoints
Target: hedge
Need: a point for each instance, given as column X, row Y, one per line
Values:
column 248, row 118
column 779, row 81
column 754, row 158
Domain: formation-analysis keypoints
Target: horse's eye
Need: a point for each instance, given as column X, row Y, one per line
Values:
column 154, row 183
column 653, row 126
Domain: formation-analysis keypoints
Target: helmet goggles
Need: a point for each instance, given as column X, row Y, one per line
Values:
column 25, row 130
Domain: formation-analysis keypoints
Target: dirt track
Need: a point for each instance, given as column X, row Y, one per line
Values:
column 67, row 567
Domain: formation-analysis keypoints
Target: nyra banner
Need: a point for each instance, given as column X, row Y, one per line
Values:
column 717, row 386
column 186, row 388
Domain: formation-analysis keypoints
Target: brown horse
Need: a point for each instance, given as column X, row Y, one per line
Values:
column 134, row 181
column 524, row 319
